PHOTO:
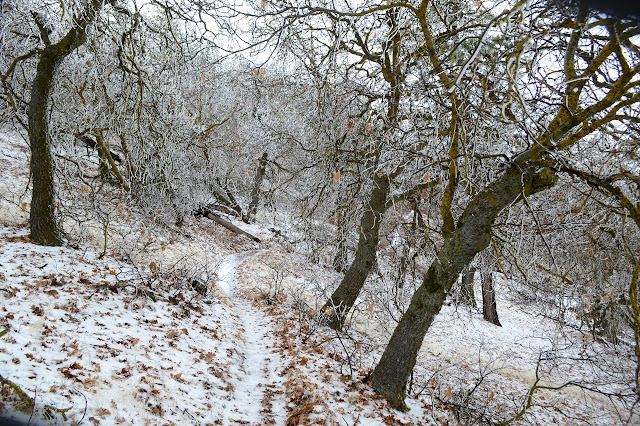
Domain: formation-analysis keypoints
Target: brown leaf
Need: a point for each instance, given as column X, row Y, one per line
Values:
column 336, row 176
column 491, row 396
column 448, row 393
column 351, row 125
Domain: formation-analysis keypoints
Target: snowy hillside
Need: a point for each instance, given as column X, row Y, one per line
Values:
column 203, row 326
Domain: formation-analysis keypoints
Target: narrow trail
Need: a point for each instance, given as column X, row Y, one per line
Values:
column 255, row 399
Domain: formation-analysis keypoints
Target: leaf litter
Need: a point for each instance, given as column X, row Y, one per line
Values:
column 101, row 340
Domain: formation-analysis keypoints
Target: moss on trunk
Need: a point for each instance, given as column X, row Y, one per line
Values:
column 344, row 297
column 471, row 235
column 44, row 228
column 42, row 221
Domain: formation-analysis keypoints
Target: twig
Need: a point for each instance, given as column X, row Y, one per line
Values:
column 85, row 405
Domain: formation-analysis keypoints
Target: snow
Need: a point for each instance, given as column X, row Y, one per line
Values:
column 124, row 338
column 259, row 363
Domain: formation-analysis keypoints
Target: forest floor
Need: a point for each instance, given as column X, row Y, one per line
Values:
column 202, row 326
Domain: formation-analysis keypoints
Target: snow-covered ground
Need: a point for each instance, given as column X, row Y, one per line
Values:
column 203, row 326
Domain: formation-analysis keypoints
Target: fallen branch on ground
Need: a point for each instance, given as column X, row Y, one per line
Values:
column 205, row 212
column 30, row 402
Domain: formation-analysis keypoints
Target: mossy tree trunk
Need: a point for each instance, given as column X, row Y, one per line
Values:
column 470, row 236
column 42, row 221
column 344, row 297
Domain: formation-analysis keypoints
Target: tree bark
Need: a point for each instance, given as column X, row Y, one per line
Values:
column 255, row 192
column 220, row 221
column 471, row 235
column 467, row 294
column 42, row 221
column 489, row 309
column 344, row 297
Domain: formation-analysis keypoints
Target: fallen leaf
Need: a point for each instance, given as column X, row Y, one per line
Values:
column 351, row 125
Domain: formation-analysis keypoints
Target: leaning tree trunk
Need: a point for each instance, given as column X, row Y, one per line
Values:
column 471, row 235
column 344, row 297
column 42, row 220
column 489, row 308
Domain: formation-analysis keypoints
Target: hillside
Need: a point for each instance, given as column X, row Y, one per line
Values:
column 199, row 325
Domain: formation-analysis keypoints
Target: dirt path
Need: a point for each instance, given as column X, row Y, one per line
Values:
column 257, row 381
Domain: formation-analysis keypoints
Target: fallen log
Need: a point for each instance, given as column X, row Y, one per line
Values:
column 205, row 212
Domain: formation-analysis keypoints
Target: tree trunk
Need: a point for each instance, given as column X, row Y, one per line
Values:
column 42, row 220
column 340, row 259
column 467, row 294
column 255, row 192
column 344, row 297
column 489, row 309
column 471, row 235
column 205, row 212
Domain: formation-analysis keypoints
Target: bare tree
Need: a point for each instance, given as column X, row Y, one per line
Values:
column 575, row 119
column 44, row 227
